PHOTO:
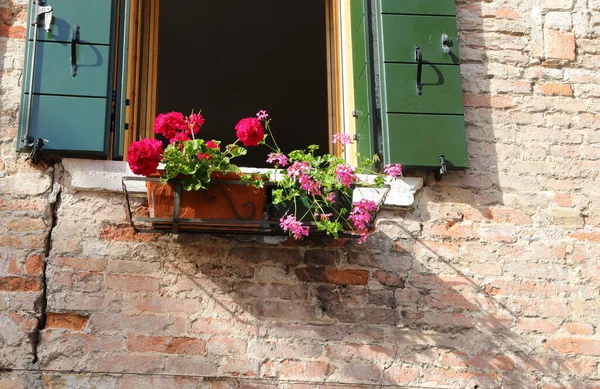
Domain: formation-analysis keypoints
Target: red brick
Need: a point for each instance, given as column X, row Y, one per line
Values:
column 492, row 362
column 240, row 368
column 69, row 321
column 131, row 283
column 125, row 233
column 169, row 305
column 26, row 224
column 507, row 215
column 289, row 369
column 578, row 329
column 364, row 352
column 12, row 241
column 19, row 284
column 582, row 366
column 389, row 279
column 401, row 375
column 535, row 325
column 452, row 229
column 444, row 320
column 6, row 15
column 333, row 276
column 507, row 13
column 474, row 100
column 162, row 382
column 556, row 89
column 585, row 235
column 213, row 270
column 89, row 264
column 166, row 344
column 559, row 45
column 216, row 326
column 583, row 346
column 16, row 32
column 227, row 346
column 34, row 265
column 361, row 372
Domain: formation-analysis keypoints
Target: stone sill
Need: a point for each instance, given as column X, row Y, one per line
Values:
column 84, row 175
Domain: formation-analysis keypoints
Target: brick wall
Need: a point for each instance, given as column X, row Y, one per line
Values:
column 491, row 280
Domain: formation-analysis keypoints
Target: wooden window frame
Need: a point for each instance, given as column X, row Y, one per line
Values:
column 142, row 72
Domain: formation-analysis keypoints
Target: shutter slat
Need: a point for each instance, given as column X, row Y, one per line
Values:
column 419, row 7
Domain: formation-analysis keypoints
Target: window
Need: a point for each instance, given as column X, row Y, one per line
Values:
column 385, row 69
column 231, row 58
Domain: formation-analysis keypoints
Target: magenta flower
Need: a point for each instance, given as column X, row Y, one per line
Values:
column 179, row 137
column 345, row 175
column 290, row 223
column 277, row 159
column 393, row 170
column 361, row 217
column 310, row 186
column 330, row 197
column 342, row 138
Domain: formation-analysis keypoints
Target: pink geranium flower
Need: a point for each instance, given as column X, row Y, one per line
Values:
column 393, row 170
column 342, row 138
column 262, row 115
column 289, row 223
column 345, row 175
column 277, row 159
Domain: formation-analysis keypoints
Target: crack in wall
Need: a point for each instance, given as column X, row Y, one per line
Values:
column 42, row 301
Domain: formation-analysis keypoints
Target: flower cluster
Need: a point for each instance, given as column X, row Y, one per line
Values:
column 289, row 223
column 361, row 217
column 186, row 155
column 315, row 190
column 144, row 156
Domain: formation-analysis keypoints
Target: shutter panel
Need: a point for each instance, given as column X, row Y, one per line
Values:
column 362, row 76
column 73, row 113
column 417, row 129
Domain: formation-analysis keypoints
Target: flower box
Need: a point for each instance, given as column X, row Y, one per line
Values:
column 223, row 206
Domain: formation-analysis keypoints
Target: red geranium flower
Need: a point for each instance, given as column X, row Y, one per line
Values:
column 144, row 156
column 169, row 124
column 212, row 145
column 195, row 121
column 250, row 131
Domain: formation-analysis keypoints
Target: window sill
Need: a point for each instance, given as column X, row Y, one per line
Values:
column 84, row 175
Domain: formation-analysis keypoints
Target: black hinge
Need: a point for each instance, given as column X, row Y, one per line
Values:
column 443, row 168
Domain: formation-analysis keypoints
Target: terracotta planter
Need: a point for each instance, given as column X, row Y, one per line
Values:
column 221, row 201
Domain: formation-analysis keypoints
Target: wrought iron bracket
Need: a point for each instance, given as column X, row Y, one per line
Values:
column 36, row 145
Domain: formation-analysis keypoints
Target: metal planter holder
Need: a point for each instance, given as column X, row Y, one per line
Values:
column 267, row 225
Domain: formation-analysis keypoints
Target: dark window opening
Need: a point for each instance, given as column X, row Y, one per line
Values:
column 231, row 58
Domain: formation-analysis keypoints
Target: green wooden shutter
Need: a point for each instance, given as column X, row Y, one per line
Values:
column 362, row 76
column 417, row 129
column 73, row 113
